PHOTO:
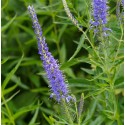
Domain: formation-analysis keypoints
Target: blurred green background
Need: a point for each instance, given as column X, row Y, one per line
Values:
column 25, row 92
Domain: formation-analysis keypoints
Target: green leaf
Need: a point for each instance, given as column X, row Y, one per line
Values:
column 8, row 24
column 10, row 98
column 62, row 31
column 91, row 110
column 5, row 121
column 74, row 61
column 32, row 121
column 80, row 82
column 46, row 110
column 26, row 29
column 5, row 60
column 18, row 82
column 63, row 54
column 69, row 72
column 98, row 121
column 6, row 91
column 24, row 110
column 40, row 90
column 4, row 4
column 119, row 82
column 11, row 73
column 89, row 71
column 109, row 114
column 81, row 42
column 47, row 119
column 25, row 98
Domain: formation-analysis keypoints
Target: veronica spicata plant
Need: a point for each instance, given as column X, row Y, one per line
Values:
column 94, row 71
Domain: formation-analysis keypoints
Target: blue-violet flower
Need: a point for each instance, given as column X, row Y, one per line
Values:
column 120, row 11
column 58, row 86
column 100, row 16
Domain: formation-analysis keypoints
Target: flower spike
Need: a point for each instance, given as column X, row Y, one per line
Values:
column 100, row 9
column 58, row 86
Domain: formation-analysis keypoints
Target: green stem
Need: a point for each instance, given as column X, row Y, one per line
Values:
column 116, row 111
column 8, row 110
column 67, row 112
column 78, row 118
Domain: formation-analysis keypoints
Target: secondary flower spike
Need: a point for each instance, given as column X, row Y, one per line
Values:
column 122, row 3
column 58, row 86
column 100, row 15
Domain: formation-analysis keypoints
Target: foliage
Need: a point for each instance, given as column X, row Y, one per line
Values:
column 93, row 65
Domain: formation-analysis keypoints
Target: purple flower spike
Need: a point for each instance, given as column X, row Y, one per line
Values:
column 122, row 3
column 99, row 14
column 58, row 86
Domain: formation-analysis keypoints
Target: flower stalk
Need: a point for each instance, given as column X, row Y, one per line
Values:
column 71, row 17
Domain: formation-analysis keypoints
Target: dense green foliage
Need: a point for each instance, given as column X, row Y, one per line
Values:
column 92, row 66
